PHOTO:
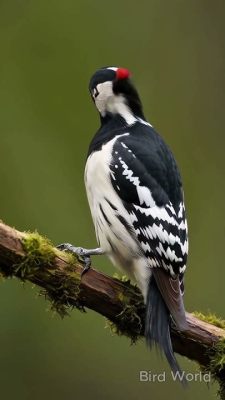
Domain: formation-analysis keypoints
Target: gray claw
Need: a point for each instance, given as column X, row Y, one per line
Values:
column 80, row 252
column 84, row 254
column 64, row 246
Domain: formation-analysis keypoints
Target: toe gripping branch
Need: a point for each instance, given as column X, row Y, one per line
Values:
column 83, row 254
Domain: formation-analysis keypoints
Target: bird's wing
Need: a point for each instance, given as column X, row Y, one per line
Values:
column 160, row 227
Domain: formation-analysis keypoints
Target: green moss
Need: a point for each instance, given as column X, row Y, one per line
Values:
column 129, row 321
column 121, row 297
column 211, row 319
column 121, row 278
column 61, row 287
column 63, row 292
column 130, row 316
column 216, row 365
column 38, row 252
column 217, row 359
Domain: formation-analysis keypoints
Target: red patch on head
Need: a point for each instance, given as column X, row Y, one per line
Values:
column 122, row 73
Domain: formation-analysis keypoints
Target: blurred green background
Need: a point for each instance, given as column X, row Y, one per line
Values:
column 49, row 49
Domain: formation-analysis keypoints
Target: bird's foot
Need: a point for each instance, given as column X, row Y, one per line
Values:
column 84, row 255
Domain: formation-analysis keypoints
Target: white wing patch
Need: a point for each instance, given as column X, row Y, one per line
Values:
column 157, row 212
column 181, row 210
column 133, row 217
column 145, row 246
column 144, row 193
column 169, row 254
column 145, row 196
column 170, row 207
column 159, row 231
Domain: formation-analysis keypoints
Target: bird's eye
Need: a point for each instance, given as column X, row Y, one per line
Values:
column 95, row 93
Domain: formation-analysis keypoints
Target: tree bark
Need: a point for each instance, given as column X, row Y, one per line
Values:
column 30, row 257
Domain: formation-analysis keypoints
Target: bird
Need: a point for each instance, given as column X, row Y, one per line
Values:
column 136, row 198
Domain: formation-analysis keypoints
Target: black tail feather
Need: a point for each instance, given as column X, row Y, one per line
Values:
column 157, row 326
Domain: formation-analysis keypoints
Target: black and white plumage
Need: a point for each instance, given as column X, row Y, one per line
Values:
column 136, row 200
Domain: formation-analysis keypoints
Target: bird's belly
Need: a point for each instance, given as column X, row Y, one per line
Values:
column 114, row 234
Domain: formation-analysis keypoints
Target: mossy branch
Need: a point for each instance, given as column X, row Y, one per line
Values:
column 31, row 257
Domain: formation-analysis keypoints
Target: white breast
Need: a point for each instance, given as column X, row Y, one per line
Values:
column 99, row 189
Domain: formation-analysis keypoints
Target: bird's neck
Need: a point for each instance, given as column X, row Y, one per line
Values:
column 111, row 126
column 116, row 122
column 124, row 116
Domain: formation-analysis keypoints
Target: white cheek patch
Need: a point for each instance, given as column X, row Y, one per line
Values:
column 108, row 101
column 105, row 93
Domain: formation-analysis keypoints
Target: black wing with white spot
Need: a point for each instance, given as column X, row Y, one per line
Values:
column 145, row 176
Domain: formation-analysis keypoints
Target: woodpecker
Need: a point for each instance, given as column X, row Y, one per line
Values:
column 136, row 199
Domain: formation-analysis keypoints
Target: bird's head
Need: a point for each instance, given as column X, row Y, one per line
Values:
column 113, row 93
